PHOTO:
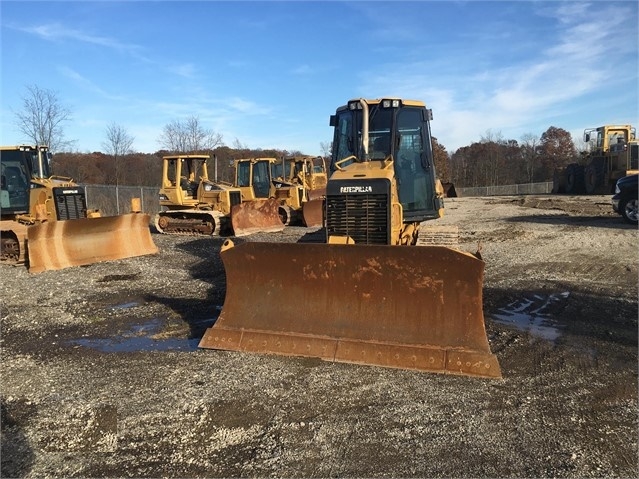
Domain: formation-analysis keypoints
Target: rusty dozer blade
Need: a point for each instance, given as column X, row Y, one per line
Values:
column 256, row 216
column 316, row 194
column 313, row 212
column 408, row 307
column 61, row 244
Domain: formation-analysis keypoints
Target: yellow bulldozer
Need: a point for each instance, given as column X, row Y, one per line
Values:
column 370, row 294
column 297, row 181
column 259, row 211
column 45, row 221
column 194, row 204
column 614, row 154
column 191, row 203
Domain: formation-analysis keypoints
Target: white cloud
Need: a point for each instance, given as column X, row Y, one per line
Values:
column 186, row 70
column 59, row 32
column 579, row 63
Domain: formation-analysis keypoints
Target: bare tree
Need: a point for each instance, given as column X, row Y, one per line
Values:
column 529, row 153
column 117, row 144
column 42, row 118
column 238, row 145
column 326, row 147
column 188, row 136
column 493, row 159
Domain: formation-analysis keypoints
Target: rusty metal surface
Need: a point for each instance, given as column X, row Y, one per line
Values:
column 256, row 216
column 313, row 212
column 404, row 307
column 317, row 193
column 62, row 244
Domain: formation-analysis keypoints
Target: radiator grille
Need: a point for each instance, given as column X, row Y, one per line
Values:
column 363, row 217
column 70, row 203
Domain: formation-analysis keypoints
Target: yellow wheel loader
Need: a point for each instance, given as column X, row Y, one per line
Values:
column 614, row 153
column 258, row 211
column 191, row 203
column 370, row 295
column 45, row 222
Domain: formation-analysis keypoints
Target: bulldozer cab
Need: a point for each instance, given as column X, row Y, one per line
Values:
column 283, row 169
column 253, row 177
column 395, row 131
column 15, row 176
column 19, row 167
column 181, row 178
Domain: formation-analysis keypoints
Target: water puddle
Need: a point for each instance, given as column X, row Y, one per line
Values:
column 532, row 315
column 128, row 305
column 143, row 337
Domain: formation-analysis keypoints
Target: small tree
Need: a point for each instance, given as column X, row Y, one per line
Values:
column 440, row 158
column 117, row 144
column 188, row 136
column 326, row 147
column 557, row 150
column 42, row 118
column 529, row 154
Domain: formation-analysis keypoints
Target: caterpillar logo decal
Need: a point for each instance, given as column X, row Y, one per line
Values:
column 356, row 189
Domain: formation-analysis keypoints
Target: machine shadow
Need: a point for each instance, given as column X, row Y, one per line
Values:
column 615, row 222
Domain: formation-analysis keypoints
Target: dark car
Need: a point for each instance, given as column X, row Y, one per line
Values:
column 626, row 198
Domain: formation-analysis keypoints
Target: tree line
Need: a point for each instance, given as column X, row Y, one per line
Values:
column 145, row 169
column 492, row 161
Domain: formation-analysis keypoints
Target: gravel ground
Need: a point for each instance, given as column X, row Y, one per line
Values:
column 101, row 375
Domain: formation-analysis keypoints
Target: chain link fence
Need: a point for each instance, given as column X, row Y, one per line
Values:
column 507, row 190
column 115, row 200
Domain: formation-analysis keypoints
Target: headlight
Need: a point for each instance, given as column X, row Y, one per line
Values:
column 390, row 103
column 208, row 187
column 163, row 197
column 617, row 189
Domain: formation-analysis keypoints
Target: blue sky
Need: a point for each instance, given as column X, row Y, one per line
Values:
column 269, row 74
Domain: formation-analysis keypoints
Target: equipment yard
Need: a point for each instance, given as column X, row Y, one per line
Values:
column 101, row 374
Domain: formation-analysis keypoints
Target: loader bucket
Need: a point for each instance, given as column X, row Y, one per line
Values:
column 408, row 307
column 61, row 244
column 256, row 216
column 313, row 212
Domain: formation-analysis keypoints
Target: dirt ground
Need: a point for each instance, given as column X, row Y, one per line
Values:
column 101, row 375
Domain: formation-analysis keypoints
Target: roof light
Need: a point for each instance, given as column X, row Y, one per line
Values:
column 391, row 103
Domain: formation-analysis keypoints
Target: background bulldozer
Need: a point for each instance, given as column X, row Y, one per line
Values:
column 370, row 294
column 259, row 210
column 194, row 204
column 191, row 203
column 45, row 221
column 298, row 181
column 614, row 154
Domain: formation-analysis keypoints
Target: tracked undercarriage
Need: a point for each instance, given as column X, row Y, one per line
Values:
column 190, row 222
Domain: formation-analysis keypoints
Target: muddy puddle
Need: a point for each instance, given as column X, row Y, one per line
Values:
column 145, row 336
column 532, row 315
